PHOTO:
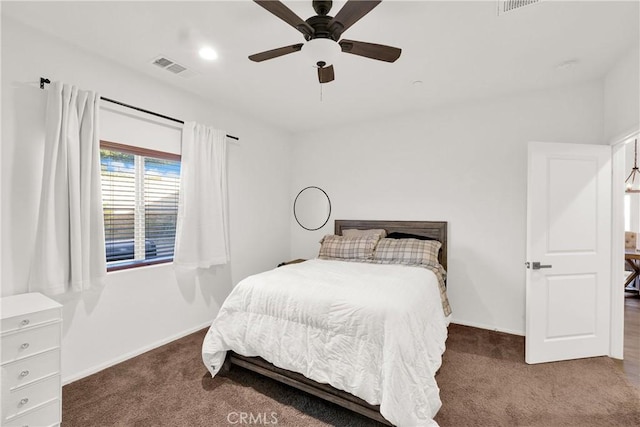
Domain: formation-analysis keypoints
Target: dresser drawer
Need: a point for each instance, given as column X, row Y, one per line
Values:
column 25, row 371
column 29, row 319
column 16, row 345
column 43, row 416
column 28, row 397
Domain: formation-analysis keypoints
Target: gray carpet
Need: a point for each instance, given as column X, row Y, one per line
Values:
column 483, row 381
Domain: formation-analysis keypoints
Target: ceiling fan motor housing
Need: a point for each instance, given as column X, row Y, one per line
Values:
column 321, row 29
column 322, row 7
column 321, row 23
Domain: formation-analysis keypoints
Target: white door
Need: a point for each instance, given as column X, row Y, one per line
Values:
column 569, row 235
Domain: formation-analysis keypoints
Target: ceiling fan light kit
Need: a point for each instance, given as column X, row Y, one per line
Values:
column 322, row 35
column 321, row 50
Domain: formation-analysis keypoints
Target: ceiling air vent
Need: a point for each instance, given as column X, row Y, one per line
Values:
column 176, row 68
column 170, row 65
column 505, row 6
column 162, row 62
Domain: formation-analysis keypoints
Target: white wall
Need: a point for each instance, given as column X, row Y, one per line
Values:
column 466, row 165
column 142, row 307
column 621, row 97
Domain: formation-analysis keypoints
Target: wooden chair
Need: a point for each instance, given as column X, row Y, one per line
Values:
column 630, row 240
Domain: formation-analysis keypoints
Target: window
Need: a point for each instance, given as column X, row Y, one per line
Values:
column 140, row 190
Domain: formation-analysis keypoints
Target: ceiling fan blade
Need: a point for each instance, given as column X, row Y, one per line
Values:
column 274, row 53
column 326, row 74
column 371, row 50
column 287, row 15
column 350, row 13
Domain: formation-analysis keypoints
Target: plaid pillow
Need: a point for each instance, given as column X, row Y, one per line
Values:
column 407, row 252
column 340, row 247
column 352, row 232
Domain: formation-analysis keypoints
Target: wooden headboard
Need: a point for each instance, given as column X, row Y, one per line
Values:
column 433, row 229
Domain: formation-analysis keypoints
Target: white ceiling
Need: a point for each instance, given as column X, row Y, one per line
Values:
column 461, row 51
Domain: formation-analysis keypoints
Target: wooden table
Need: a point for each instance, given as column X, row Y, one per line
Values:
column 632, row 258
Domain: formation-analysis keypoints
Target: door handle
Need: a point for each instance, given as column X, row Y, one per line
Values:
column 535, row 265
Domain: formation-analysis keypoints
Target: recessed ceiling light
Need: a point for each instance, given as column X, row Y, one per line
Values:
column 207, row 52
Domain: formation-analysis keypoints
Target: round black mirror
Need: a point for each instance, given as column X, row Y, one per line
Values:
column 312, row 208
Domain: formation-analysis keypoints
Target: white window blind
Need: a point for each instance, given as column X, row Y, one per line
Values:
column 140, row 190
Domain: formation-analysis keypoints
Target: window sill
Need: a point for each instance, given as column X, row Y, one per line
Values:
column 127, row 265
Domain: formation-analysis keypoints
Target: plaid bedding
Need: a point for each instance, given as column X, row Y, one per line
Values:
column 407, row 251
column 440, row 273
column 346, row 248
column 352, row 232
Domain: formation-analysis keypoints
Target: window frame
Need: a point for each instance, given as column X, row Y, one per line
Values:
column 146, row 152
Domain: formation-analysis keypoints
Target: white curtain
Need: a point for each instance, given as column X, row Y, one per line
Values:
column 69, row 250
column 202, row 237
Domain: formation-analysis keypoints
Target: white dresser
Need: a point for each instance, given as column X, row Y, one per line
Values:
column 31, row 331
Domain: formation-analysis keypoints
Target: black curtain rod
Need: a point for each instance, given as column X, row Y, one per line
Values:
column 44, row 81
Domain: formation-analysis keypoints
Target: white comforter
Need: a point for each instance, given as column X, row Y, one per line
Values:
column 375, row 331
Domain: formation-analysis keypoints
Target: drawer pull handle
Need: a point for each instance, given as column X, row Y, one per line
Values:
column 25, row 322
column 23, row 401
column 24, row 373
column 24, row 346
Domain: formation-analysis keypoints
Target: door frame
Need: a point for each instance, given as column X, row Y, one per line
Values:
column 616, row 347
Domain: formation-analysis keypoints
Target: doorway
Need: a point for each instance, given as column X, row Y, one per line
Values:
column 631, row 288
column 625, row 310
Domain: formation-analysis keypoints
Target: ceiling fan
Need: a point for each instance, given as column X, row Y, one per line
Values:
column 322, row 34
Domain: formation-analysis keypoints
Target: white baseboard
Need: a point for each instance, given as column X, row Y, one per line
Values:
column 490, row 328
column 127, row 356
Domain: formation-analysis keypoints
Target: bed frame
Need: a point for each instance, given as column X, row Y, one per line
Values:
column 433, row 229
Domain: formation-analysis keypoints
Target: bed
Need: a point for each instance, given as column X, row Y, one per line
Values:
column 368, row 393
